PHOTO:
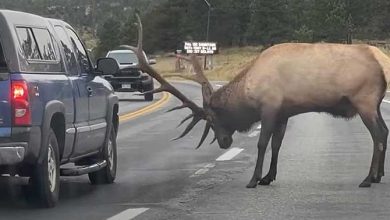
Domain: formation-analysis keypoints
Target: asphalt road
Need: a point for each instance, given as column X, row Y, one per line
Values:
column 130, row 102
column 322, row 161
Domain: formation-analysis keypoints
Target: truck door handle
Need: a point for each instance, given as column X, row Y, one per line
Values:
column 90, row 90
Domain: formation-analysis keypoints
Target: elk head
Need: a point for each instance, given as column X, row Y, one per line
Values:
column 207, row 113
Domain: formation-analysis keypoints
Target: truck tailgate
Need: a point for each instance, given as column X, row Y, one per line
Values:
column 5, row 104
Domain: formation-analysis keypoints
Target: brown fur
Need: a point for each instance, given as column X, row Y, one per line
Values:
column 295, row 99
column 290, row 79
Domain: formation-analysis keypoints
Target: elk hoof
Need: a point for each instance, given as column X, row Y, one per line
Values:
column 265, row 181
column 365, row 184
column 252, row 184
column 377, row 179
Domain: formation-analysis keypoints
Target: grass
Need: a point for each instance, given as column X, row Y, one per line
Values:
column 227, row 64
column 386, row 51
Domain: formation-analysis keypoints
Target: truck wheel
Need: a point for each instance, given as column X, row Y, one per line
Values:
column 149, row 97
column 149, row 87
column 107, row 174
column 45, row 180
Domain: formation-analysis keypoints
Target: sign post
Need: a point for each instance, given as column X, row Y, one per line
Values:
column 208, row 28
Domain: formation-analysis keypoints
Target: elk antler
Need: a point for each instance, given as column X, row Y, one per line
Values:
column 199, row 77
column 198, row 113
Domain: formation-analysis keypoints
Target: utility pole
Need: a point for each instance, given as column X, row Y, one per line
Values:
column 208, row 29
column 208, row 20
column 93, row 15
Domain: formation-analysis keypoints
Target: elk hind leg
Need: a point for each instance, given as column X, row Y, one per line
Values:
column 382, row 156
column 378, row 134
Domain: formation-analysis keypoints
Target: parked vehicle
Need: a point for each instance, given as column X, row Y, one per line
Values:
column 130, row 78
column 55, row 108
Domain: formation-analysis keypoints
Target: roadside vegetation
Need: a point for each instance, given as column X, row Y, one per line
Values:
column 239, row 25
column 232, row 23
column 227, row 64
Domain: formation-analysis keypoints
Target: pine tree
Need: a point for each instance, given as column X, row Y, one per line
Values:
column 269, row 22
column 108, row 35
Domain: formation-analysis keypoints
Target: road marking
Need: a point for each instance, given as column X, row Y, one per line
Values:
column 254, row 133
column 203, row 170
column 128, row 214
column 386, row 101
column 210, row 165
column 230, row 154
column 146, row 109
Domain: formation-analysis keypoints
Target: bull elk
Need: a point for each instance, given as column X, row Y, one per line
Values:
column 287, row 80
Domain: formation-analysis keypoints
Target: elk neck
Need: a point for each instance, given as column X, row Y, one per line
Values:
column 231, row 105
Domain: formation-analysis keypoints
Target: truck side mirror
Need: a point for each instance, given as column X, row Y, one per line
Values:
column 107, row 66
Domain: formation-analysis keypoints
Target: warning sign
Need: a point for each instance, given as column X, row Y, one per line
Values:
column 200, row 47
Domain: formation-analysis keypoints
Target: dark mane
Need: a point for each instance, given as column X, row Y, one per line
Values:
column 233, row 86
column 243, row 72
column 231, row 96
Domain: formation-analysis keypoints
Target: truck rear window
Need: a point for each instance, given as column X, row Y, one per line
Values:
column 45, row 43
column 36, row 43
column 28, row 44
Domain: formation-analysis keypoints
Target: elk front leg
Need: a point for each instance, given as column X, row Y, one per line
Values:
column 276, row 142
column 265, row 136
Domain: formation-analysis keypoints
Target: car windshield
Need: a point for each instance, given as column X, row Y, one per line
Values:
column 124, row 58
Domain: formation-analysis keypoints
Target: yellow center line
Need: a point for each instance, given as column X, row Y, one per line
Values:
column 147, row 109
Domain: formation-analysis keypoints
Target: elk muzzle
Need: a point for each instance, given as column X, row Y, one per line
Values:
column 225, row 141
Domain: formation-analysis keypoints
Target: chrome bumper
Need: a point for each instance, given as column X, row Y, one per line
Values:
column 12, row 153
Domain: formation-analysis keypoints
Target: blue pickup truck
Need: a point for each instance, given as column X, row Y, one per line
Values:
column 55, row 107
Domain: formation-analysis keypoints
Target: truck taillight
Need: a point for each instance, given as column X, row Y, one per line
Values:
column 21, row 114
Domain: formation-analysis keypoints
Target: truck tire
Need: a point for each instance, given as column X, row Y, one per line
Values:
column 45, row 179
column 149, row 87
column 107, row 174
column 149, row 97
